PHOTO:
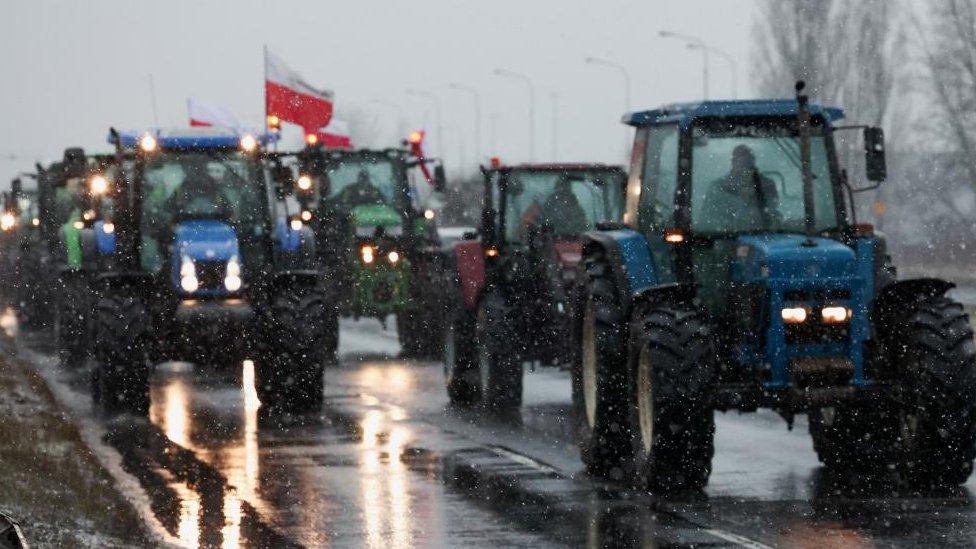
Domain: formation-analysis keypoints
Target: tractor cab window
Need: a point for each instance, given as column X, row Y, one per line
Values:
column 655, row 209
column 746, row 177
column 566, row 202
column 364, row 181
column 184, row 186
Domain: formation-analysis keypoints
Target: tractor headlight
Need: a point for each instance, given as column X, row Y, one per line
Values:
column 835, row 314
column 367, row 253
column 794, row 315
column 304, row 182
column 7, row 221
column 188, row 276
column 232, row 278
column 98, row 185
column 249, row 143
column 147, row 143
column 393, row 257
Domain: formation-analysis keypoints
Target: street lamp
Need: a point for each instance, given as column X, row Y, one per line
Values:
column 695, row 43
column 519, row 76
column 399, row 116
column 437, row 109
column 477, row 114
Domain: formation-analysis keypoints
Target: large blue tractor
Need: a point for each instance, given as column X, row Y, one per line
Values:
column 740, row 279
column 205, row 268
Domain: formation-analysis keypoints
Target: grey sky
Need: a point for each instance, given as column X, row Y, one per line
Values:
column 73, row 68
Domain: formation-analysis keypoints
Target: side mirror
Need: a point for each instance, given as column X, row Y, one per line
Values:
column 874, row 154
column 75, row 164
column 283, row 180
column 16, row 187
column 440, row 178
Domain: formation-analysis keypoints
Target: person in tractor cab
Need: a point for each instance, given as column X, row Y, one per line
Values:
column 744, row 197
column 362, row 192
column 203, row 191
column 562, row 211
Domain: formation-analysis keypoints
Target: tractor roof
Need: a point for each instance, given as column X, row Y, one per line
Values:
column 685, row 113
column 191, row 138
column 557, row 167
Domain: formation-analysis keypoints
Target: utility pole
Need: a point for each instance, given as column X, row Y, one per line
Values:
column 528, row 82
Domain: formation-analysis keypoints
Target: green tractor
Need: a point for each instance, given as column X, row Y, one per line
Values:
column 377, row 238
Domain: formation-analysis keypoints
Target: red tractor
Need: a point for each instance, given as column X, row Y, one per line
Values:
column 511, row 281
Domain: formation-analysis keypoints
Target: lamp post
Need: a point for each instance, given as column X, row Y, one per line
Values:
column 477, row 114
column 528, row 82
column 401, row 133
column 696, row 43
column 623, row 72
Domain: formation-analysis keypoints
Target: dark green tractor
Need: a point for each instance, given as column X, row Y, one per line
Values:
column 378, row 240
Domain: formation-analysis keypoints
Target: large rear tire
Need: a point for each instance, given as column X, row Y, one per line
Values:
column 936, row 360
column 673, row 363
column 599, row 371
column 461, row 375
column 290, row 376
column 499, row 367
column 71, row 326
column 120, row 380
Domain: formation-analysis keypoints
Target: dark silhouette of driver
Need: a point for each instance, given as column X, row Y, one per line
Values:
column 741, row 201
column 562, row 211
column 361, row 192
column 200, row 194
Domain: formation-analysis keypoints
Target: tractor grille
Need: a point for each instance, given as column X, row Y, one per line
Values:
column 211, row 274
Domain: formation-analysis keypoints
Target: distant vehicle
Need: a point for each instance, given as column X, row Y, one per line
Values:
column 513, row 280
column 740, row 280
column 204, row 268
column 377, row 238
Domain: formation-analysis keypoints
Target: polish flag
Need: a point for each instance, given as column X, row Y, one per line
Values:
column 291, row 99
column 208, row 114
column 335, row 135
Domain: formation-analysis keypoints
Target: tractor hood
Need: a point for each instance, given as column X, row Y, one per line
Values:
column 369, row 217
column 209, row 244
column 792, row 257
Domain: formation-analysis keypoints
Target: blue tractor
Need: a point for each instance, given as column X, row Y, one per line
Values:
column 740, row 279
column 206, row 268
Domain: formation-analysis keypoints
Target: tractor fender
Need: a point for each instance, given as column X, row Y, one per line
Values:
column 893, row 298
column 629, row 259
column 469, row 262
column 674, row 293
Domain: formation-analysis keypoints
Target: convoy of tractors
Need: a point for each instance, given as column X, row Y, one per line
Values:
column 725, row 270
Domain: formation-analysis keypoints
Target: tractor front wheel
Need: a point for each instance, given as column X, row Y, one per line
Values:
column 458, row 347
column 73, row 306
column 672, row 361
column 120, row 381
column 498, row 363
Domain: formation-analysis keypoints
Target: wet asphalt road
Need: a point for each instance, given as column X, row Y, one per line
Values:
column 389, row 464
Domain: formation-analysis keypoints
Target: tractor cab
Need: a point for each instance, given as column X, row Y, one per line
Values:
column 515, row 277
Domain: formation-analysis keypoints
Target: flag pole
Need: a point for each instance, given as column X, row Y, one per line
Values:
column 264, row 84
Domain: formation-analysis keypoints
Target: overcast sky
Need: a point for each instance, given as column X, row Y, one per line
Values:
column 71, row 68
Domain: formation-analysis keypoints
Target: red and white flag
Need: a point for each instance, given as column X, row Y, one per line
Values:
column 335, row 135
column 291, row 99
column 208, row 114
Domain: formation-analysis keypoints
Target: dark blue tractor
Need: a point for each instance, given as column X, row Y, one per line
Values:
column 740, row 279
column 206, row 268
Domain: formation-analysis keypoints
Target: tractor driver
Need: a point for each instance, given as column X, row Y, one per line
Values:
column 361, row 192
column 562, row 210
column 743, row 200
column 202, row 191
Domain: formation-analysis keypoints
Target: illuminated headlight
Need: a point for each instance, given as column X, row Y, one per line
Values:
column 147, row 143
column 98, row 185
column 835, row 314
column 429, row 214
column 248, row 143
column 304, row 182
column 108, row 227
column 188, row 276
column 296, row 224
column 367, row 253
column 232, row 280
column 7, row 221
column 306, row 215
column 79, row 225
column 794, row 315
column 393, row 257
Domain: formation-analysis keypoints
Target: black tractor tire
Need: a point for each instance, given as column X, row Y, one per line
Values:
column 290, row 375
column 121, row 326
column 71, row 321
column 936, row 359
column 497, row 359
column 411, row 334
column 855, row 439
column 673, row 365
column 599, row 370
column 460, row 357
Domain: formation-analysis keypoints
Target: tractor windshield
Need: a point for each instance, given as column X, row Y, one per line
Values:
column 183, row 186
column 567, row 202
column 746, row 177
column 365, row 180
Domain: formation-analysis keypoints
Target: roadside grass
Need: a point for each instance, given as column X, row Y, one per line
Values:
column 49, row 481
